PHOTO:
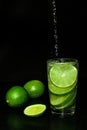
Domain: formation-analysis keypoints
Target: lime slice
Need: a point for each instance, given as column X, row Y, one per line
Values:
column 67, row 103
column 60, row 90
column 63, row 74
column 62, row 100
column 56, row 100
column 35, row 110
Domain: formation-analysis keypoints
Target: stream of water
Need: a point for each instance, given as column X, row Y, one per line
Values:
column 55, row 22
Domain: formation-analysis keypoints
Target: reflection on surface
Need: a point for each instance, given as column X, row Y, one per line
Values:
column 15, row 121
column 20, row 122
column 62, row 124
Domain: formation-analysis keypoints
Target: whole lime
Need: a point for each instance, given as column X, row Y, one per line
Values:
column 16, row 96
column 35, row 88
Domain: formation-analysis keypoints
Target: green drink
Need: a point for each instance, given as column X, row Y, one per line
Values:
column 62, row 85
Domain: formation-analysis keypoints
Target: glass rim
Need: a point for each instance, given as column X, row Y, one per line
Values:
column 62, row 59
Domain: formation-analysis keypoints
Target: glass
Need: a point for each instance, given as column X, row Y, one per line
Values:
column 62, row 76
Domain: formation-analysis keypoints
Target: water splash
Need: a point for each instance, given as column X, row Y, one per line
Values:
column 55, row 27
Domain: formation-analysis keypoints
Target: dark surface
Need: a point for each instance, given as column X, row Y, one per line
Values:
column 14, row 119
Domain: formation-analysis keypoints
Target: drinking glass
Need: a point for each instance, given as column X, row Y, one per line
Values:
column 62, row 74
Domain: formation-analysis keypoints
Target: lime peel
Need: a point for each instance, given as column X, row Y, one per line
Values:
column 35, row 110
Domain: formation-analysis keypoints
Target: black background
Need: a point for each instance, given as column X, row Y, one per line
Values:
column 23, row 40
column 25, row 37
column 26, row 42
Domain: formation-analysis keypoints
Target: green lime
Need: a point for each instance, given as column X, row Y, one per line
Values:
column 16, row 96
column 35, row 88
column 63, row 74
column 35, row 110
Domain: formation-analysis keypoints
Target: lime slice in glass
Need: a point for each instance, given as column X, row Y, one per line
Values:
column 62, row 100
column 56, row 100
column 63, row 74
column 35, row 110
column 60, row 90
column 68, row 102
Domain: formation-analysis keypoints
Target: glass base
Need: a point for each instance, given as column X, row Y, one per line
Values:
column 63, row 112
